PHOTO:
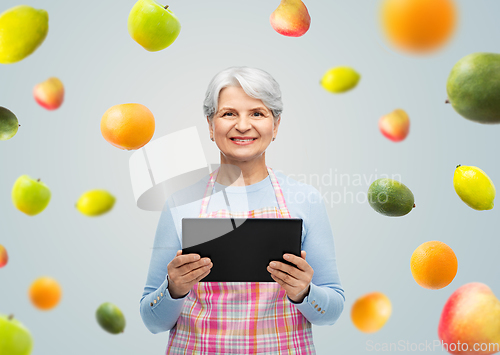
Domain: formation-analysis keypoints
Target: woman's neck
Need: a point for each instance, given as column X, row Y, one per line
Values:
column 239, row 173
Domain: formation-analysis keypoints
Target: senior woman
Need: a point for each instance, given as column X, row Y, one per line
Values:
column 243, row 109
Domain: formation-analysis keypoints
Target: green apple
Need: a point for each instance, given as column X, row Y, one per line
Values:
column 15, row 338
column 8, row 124
column 29, row 195
column 152, row 25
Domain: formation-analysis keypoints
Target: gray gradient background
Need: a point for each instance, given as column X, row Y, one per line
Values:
column 106, row 258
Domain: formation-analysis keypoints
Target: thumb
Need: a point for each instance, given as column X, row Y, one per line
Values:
column 303, row 252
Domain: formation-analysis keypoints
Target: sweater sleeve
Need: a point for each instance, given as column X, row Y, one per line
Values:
column 159, row 311
column 325, row 301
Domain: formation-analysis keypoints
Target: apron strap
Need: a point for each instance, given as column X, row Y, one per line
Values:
column 211, row 183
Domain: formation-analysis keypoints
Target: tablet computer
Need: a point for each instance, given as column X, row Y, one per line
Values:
column 241, row 248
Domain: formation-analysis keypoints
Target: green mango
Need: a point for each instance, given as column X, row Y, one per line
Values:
column 8, row 124
column 22, row 31
column 390, row 197
column 473, row 87
column 110, row 318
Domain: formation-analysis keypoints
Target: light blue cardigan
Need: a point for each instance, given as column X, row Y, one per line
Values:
column 325, row 301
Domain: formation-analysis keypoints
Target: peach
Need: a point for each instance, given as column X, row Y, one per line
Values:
column 470, row 321
column 50, row 93
column 395, row 125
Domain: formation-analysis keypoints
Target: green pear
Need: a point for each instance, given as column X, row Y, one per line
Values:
column 8, row 124
column 15, row 338
column 22, row 31
column 152, row 25
column 30, row 196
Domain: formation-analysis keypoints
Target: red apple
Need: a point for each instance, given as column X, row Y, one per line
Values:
column 4, row 257
column 50, row 93
column 395, row 125
column 470, row 321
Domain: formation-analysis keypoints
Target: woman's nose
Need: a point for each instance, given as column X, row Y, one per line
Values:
column 243, row 123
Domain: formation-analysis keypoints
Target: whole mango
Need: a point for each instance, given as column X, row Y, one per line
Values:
column 473, row 87
column 22, row 31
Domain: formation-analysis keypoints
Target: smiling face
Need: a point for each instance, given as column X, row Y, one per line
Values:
column 241, row 117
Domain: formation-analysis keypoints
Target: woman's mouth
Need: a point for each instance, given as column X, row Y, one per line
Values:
column 243, row 141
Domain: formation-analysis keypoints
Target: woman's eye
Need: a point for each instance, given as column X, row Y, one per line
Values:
column 226, row 113
column 259, row 113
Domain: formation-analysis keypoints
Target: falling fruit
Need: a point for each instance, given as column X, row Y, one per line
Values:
column 30, row 196
column 15, row 338
column 418, row 26
column 433, row 265
column 290, row 18
column 370, row 312
column 8, row 124
column 45, row 293
column 22, row 31
column 395, row 125
column 49, row 94
column 471, row 317
column 110, row 318
column 473, row 87
column 390, row 197
column 4, row 257
column 95, row 202
column 474, row 187
column 128, row 126
column 153, row 26
column 340, row 79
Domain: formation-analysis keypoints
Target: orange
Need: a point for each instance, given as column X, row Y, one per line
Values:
column 45, row 293
column 370, row 312
column 419, row 26
column 433, row 265
column 128, row 126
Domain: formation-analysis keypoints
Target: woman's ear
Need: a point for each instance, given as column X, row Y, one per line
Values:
column 276, row 125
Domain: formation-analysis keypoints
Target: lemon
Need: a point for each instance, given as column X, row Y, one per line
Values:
column 22, row 31
column 95, row 202
column 474, row 187
column 340, row 79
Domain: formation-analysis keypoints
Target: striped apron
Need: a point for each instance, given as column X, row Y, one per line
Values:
column 241, row 317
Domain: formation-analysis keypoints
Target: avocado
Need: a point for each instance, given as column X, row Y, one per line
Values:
column 473, row 87
column 390, row 197
column 110, row 318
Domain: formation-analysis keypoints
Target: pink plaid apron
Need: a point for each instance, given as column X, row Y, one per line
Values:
column 241, row 317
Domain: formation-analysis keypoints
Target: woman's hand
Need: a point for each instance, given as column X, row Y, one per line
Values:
column 296, row 282
column 184, row 271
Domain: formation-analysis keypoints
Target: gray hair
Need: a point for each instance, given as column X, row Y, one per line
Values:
column 256, row 83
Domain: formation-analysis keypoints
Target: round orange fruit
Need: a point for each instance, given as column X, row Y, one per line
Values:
column 128, row 126
column 433, row 265
column 370, row 312
column 45, row 293
column 418, row 26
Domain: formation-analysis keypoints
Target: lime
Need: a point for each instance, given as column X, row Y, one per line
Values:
column 340, row 79
column 474, row 187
